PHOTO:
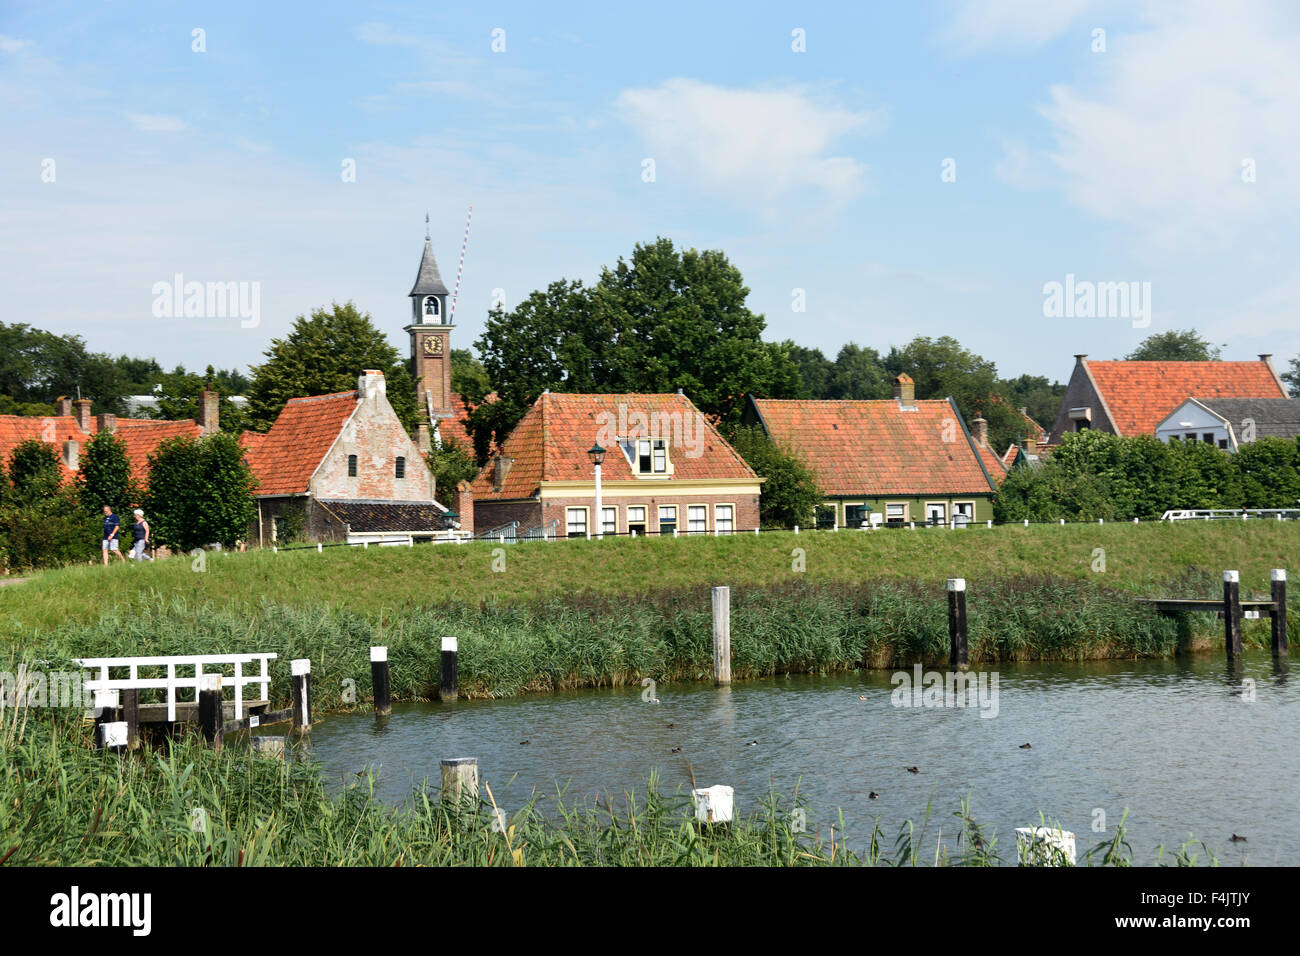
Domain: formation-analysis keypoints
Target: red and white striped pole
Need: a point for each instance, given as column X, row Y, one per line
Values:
column 460, row 269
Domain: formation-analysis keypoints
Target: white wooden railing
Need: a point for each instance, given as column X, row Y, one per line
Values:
column 109, row 686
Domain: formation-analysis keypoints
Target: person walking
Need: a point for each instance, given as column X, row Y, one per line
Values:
column 140, row 536
column 112, row 541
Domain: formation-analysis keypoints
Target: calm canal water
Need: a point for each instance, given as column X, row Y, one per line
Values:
column 1174, row 742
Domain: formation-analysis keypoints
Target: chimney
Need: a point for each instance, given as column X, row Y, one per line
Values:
column 905, row 389
column 209, row 411
column 422, row 438
column 370, row 384
column 980, row 429
column 1031, row 446
column 465, row 506
column 64, row 405
column 1265, row 356
column 83, row 414
column 71, row 454
column 500, row 468
column 106, row 423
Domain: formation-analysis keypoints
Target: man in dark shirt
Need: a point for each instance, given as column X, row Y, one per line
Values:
column 111, row 542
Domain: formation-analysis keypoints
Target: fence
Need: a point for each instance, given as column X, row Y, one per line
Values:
column 106, row 687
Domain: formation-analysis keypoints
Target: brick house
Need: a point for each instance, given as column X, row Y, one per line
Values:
column 889, row 460
column 665, row 469
column 341, row 467
column 1132, row 398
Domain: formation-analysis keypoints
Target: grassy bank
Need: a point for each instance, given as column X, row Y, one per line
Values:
column 63, row 804
column 872, row 600
column 374, row 581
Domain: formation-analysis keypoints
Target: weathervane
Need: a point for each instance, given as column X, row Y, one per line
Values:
column 426, row 227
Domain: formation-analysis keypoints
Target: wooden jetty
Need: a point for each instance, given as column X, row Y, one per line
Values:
column 1232, row 609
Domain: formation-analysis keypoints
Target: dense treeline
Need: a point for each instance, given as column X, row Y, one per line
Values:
column 1093, row 475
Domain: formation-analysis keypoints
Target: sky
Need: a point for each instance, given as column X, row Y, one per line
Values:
column 876, row 171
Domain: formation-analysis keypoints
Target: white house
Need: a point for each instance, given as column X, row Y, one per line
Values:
column 1230, row 422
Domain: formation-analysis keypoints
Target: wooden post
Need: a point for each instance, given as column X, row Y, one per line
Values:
column 1278, row 581
column 379, row 680
column 105, row 711
column 300, row 680
column 1232, row 612
column 211, row 714
column 957, row 622
column 131, row 714
column 460, row 782
column 448, row 689
column 721, row 636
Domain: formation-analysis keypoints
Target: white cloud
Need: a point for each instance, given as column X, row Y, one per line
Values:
column 1158, row 137
column 979, row 24
column 10, row 44
column 755, row 146
column 157, row 123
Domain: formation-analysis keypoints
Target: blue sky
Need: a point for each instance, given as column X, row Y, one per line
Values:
column 816, row 170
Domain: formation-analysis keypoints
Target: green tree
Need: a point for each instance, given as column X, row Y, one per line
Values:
column 34, row 469
column 42, row 523
column 790, row 495
column 1292, row 377
column 1040, row 399
column 859, row 373
column 1174, row 346
column 469, row 378
column 178, row 394
column 451, row 464
column 327, row 353
column 104, row 476
column 815, row 370
column 1268, row 470
column 200, row 491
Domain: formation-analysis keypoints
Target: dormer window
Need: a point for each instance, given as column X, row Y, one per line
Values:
column 431, row 308
column 647, row 456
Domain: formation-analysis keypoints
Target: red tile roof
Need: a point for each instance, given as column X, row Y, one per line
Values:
column 142, row 435
column 878, row 447
column 52, row 429
column 550, row 442
column 1140, row 394
column 993, row 463
column 285, row 458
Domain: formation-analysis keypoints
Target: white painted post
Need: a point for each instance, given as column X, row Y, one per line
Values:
column 721, row 635
column 1045, row 846
column 674, row 531
column 756, row 531
column 1135, row 520
column 1101, row 521
column 990, row 522
column 300, row 671
column 460, row 782
column 911, row 526
column 319, row 547
column 1062, row 521
column 796, row 529
column 714, row 804
column 1026, row 522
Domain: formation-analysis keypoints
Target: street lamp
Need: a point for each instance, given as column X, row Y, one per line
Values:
column 597, row 455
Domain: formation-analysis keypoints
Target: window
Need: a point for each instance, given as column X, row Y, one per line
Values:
column 643, row 455
column 963, row 513
column 636, row 519
column 697, row 519
column 1223, row 443
column 855, row 515
column 724, row 519
column 577, row 522
column 608, row 520
column 825, row 516
column 352, row 466
column 431, row 306
column 1208, row 438
column 936, row 512
column 667, row 519
column 651, row 456
column 896, row 512
column 400, row 470
column 1191, row 436
column 660, row 457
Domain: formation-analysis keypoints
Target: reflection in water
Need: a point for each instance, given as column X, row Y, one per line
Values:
column 1176, row 742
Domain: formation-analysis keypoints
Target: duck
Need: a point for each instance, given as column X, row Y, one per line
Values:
column 862, row 697
column 872, row 795
column 676, row 750
column 1238, row 839
column 671, row 726
column 752, row 743
column 913, row 769
column 524, row 743
column 1025, row 747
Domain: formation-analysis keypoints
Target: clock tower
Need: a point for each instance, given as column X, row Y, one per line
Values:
column 430, row 338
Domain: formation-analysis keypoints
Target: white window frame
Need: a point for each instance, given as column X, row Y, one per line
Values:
column 691, row 519
column 725, row 525
column 609, row 519
column 942, row 505
column 661, row 510
column 569, row 528
column 896, row 504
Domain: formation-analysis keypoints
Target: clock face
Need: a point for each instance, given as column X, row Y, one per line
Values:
column 433, row 345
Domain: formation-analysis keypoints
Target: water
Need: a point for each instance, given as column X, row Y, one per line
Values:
column 1172, row 741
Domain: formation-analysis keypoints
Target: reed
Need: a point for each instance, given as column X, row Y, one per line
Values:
column 64, row 804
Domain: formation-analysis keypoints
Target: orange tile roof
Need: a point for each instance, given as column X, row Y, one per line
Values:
column 16, row 429
column 550, row 442
column 878, row 447
column 457, row 426
column 993, row 463
column 142, row 435
column 286, row 457
column 1140, row 394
